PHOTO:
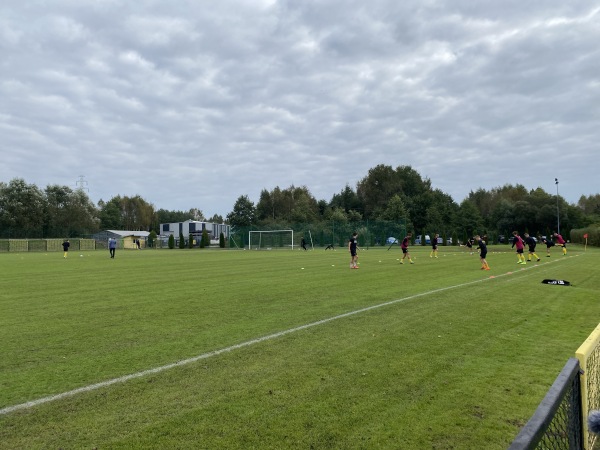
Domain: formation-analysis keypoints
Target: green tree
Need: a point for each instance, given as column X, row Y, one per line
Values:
column 171, row 241
column 196, row 214
column 127, row 213
column 354, row 216
column 205, row 241
column 243, row 214
column 347, row 199
column 110, row 214
column 191, row 241
column 165, row 216
column 395, row 210
column 151, row 239
column 377, row 188
column 337, row 215
column 69, row 213
column 21, row 209
column 470, row 219
column 503, row 217
column 435, row 222
column 216, row 218
column 181, row 240
column 221, row 240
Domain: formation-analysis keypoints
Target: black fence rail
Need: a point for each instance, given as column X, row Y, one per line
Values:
column 558, row 421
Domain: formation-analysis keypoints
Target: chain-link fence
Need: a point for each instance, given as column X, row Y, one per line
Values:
column 557, row 422
column 323, row 234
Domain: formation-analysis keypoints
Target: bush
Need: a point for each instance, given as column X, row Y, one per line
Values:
column 181, row 241
column 151, row 238
column 191, row 241
column 221, row 240
column 171, row 241
column 205, row 241
column 593, row 232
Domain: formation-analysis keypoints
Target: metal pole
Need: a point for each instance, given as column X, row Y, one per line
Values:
column 557, row 210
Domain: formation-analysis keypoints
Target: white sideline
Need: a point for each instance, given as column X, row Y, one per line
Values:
column 93, row 387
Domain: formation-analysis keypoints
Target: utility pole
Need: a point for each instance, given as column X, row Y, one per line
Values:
column 82, row 184
column 557, row 210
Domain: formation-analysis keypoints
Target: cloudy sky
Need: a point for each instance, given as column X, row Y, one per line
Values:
column 191, row 104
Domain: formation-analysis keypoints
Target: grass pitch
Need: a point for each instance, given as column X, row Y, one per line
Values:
column 292, row 349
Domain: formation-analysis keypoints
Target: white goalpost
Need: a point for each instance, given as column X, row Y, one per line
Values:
column 270, row 239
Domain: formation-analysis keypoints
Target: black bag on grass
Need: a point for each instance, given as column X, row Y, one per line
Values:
column 557, row 282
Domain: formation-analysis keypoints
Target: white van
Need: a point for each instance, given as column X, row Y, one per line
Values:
column 418, row 240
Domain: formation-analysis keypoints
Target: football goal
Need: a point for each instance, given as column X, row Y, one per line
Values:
column 270, row 240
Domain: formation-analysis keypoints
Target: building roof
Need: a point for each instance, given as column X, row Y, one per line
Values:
column 125, row 233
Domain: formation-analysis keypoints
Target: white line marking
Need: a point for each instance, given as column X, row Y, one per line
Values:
column 184, row 362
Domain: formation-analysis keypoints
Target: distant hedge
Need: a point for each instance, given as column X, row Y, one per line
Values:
column 593, row 232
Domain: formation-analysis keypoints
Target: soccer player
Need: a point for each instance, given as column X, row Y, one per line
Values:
column 549, row 243
column 482, row 247
column 66, row 244
column 561, row 242
column 469, row 245
column 404, row 247
column 434, row 246
column 518, row 242
column 303, row 244
column 531, row 243
column 353, row 249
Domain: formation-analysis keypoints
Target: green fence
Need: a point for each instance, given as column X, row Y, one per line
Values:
column 322, row 234
column 44, row 245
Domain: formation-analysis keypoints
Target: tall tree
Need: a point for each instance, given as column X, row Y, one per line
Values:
column 396, row 210
column 127, row 213
column 215, row 218
column 21, row 209
column 110, row 214
column 196, row 214
column 377, row 188
column 243, row 214
column 347, row 199
column 470, row 220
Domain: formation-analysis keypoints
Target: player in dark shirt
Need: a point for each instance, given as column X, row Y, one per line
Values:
column 531, row 243
column 434, row 246
column 549, row 243
column 66, row 244
column 482, row 252
column 353, row 248
column 469, row 244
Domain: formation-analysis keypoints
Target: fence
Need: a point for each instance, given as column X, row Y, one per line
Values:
column 44, row 245
column 322, row 234
column 560, row 421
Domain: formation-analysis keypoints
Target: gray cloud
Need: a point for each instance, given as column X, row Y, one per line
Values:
column 190, row 106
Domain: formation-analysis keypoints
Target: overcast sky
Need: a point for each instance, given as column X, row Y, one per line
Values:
column 191, row 104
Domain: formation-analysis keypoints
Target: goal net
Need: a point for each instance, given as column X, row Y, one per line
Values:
column 270, row 240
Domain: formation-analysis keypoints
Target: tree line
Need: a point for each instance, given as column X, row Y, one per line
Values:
column 401, row 194
column 26, row 211
column 384, row 194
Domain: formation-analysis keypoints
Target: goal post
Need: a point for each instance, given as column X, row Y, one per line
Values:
column 270, row 239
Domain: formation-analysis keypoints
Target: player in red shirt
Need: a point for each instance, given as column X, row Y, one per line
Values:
column 518, row 242
column 404, row 247
column 561, row 242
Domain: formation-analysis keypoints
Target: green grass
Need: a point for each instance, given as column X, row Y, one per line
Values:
column 457, row 360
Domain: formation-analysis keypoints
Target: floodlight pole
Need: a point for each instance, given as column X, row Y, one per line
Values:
column 557, row 210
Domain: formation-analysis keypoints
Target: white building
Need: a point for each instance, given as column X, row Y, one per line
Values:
column 195, row 228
